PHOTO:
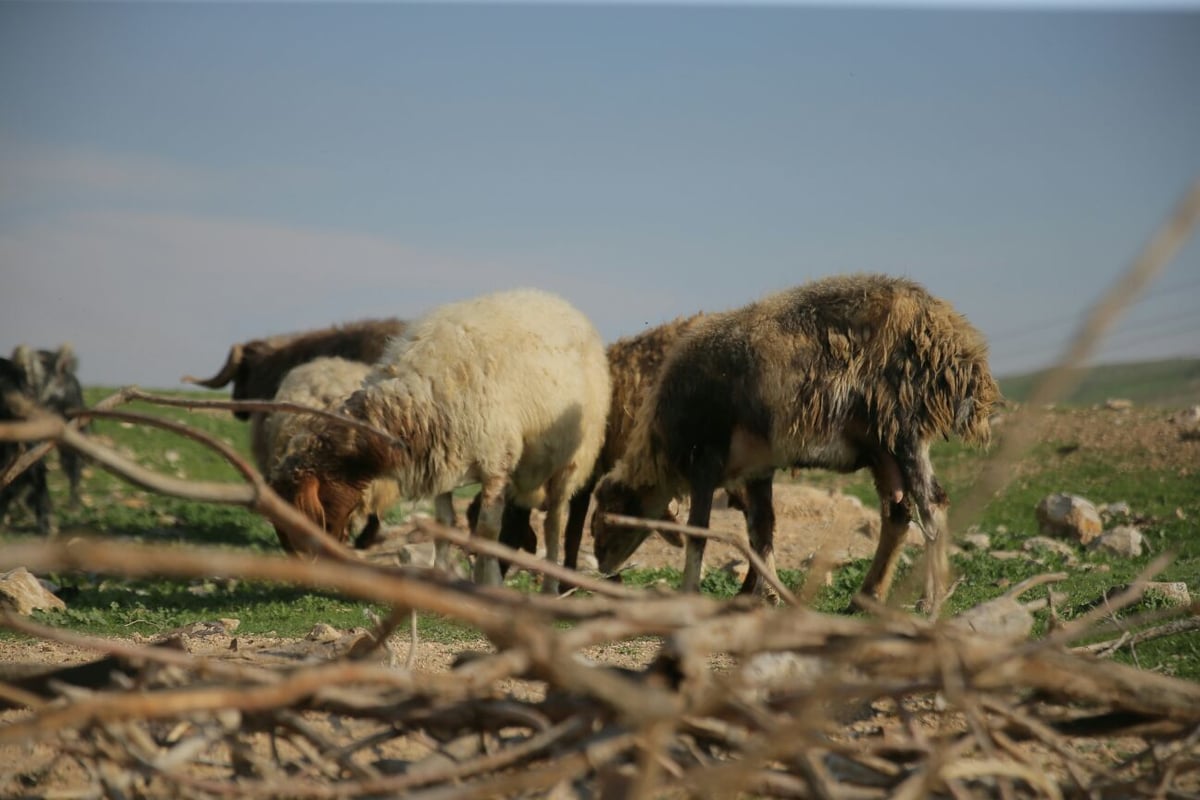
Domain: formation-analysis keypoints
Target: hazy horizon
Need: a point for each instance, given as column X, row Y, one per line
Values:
column 178, row 177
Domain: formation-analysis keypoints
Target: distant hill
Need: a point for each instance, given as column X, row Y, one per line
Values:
column 1172, row 383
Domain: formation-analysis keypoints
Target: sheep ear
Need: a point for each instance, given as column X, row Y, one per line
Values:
column 308, row 499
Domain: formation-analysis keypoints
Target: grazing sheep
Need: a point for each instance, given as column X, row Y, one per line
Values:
column 324, row 383
column 257, row 367
column 510, row 390
column 633, row 364
column 842, row 373
column 54, row 384
column 31, row 485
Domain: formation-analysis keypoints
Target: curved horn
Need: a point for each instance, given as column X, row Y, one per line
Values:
column 65, row 359
column 225, row 375
column 30, row 365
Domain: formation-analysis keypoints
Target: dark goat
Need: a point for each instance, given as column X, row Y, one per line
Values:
column 53, row 384
column 30, row 486
column 257, row 367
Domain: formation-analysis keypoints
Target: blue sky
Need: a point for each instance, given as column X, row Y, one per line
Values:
column 177, row 177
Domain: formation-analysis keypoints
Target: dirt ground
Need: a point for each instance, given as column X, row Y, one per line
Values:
column 810, row 523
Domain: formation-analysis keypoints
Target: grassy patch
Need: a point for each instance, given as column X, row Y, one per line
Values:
column 1171, row 382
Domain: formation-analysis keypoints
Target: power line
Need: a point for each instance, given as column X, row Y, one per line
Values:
column 1013, row 334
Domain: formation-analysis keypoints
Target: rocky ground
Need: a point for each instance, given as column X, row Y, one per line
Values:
column 812, row 523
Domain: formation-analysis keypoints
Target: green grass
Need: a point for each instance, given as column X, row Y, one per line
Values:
column 1165, row 498
column 1167, row 383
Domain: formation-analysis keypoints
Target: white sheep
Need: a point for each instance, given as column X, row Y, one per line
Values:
column 510, row 390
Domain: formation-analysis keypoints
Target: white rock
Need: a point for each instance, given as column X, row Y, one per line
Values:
column 1002, row 618
column 977, row 541
column 1066, row 515
column 1120, row 508
column 1188, row 418
column 1174, row 592
column 24, row 593
column 1123, row 540
column 1118, row 404
column 418, row 554
column 322, row 632
column 1053, row 545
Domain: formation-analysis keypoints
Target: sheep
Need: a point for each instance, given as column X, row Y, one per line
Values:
column 324, row 383
column 31, row 485
column 842, row 373
column 54, row 384
column 633, row 364
column 510, row 390
column 257, row 367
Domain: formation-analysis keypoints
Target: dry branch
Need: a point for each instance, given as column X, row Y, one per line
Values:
column 38, row 451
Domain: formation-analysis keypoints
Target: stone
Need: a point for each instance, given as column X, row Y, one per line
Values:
column 977, row 541
column 1117, row 509
column 1188, row 418
column 1053, row 545
column 22, row 592
column 1002, row 618
column 417, row 554
column 1174, row 592
column 1118, row 404
column 1069, row 516
column 1123, row 540
column 321, row 632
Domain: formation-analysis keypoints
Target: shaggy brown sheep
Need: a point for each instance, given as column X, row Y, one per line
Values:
column 842, row 373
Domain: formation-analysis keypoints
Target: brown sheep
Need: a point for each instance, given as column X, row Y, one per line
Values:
column 258, row 366
column 842, row 373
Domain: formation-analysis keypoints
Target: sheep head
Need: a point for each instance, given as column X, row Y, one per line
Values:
column 328, row 481
column 326, row 500
column 614, row 545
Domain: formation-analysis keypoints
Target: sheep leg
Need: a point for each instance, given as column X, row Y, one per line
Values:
column 369, row 536
column 576, row 515
column 72, row 465
column 930, row 503
column 557, row 503
column 698, row 516
column 759, row 510
column 515, row 530
column 443, row 512
column 491, row 515
column 937, row 576
column 893, row 518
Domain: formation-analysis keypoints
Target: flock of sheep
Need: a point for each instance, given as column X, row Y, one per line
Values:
column 515, row 391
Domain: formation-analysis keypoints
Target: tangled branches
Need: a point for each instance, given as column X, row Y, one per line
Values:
column 799, row 704
column 733, row 699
